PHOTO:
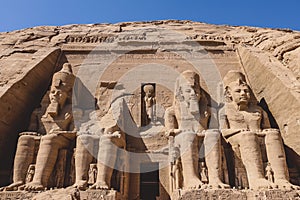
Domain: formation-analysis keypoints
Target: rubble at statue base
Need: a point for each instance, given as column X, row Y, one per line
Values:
column 150, row 110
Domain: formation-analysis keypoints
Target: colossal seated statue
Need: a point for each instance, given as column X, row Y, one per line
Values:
column 186, row 120
column 243, row 122
column 100, row 136
column 57, row 124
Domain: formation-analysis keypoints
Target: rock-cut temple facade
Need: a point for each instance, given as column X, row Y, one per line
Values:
column 150, row 110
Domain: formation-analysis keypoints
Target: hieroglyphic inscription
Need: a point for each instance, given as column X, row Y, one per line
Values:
column 137, row 37
column 91, row 39
column 105, row 38
column 277, row 195
column 210, row 37
column 101, row 194
column 133, row 37
column 165, row 56
column 213, row 195
column 16, row 196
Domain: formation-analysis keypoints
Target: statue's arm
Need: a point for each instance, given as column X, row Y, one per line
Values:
column 224, row 125
column 212, row 115
column 265, row 122
column 265, row 125
column 69, row 117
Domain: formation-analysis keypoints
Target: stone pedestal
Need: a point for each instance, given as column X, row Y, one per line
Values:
column 16, row 195
column 62, row 194
column 101, row 194
column 228, row 194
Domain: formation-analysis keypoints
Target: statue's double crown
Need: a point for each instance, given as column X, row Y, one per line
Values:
column 64, row 78
column 233, row 76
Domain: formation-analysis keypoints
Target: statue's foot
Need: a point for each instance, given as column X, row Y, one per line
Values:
column 81, row 185
column 34, row 186
column 13, row 186
column 193, row 183
column 217, row 185
column 262, row 183
column 100, row 185
column 286, row 185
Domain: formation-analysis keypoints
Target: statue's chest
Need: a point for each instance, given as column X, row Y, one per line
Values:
column 245, row 119
column 149, row 101
column 56, row 123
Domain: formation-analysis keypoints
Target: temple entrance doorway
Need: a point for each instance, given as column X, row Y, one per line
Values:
column 149, row 181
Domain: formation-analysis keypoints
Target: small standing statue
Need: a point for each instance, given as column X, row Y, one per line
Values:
column 30, row 173
column 177, row 174
column 75, row 195
column 176, row 170
column 269, row 173
column 203, row 173
column 150, row 103
column 93, row 173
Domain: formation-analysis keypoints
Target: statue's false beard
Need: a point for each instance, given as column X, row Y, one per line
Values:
column 53, row 108
column 193, row 106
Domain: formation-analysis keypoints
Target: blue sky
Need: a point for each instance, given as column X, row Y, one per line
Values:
column 18, row 14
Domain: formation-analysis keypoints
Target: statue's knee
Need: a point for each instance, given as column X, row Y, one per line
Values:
column 273, row 137
column 84, row 139
column 86, row 142
column 212, row 136
column 185, row 137
column 50, row 139
column 272, row 132
column 248, row 138
column 25, row 140
column 212, row 133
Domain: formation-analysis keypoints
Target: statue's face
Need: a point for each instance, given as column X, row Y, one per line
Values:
column 149, row 91
column 58, row 95
column 189, row 93
column 240, row 93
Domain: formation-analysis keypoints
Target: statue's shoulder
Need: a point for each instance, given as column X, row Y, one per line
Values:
column 256, row 108
column 229, row 109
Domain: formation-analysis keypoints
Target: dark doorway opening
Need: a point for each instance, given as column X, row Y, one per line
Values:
column 149, row 181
